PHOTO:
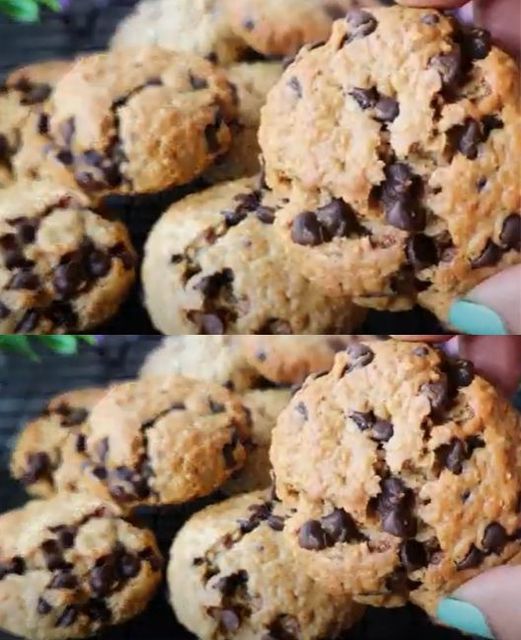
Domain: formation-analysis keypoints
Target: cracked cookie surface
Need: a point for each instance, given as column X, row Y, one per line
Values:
column 213, row 264
column 231, row 575
column 63, row 268
column 50, row 451
column 404, row 470
column 193, row 26
column 22, row 96
column 71, row 567
column 426, row 203
column 137, row 121
column 165, row 440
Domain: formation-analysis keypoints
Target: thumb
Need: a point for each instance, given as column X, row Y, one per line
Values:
column 487, row 606
column 491, row 308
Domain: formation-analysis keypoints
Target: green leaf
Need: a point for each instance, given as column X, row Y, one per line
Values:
column 21, row 10
column 90, row 340
column 50, row 4
column 18, row 344
column 64, row 345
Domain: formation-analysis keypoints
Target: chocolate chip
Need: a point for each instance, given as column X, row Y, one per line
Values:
column 24, row 280
column 63, row 580
column 489, row 257
column 97, row 611
column 99, row 472
column 103, row 576
column 421, row 251
column 248, row 24
column 362, row 22
column 13, row 254
column 68, row 617
column 472, row 560
column 461, row 373
column 67, row 130
column 312, row 537
column 265, row 214
column 216, row 407
column 53, row 555
column 230, row 620
column 340, row 527
column 430, row 19
column 295, row 86
column 452, row 456
column 399, row 522
column 306, row 229
column 386, row 109
column 38, row 467
column 211, row 133
column 4, row 311
column 510, row 236
column 37, row 94
column 43, row 608
column 403, row 215
column 42, row 124
column 413, row 555
column 362, row 420
column 449, row 66
column 69, row 276
column 211, row 324
column 197, row 83
column 229, row 451
column 98, row 263
column 129, row 565
column 382, row 431
column 437, row 394
column 477, row 43
column 65, row 157
column 26, row 229
column 468, row 138
column 28, row 323
column 14, row 566
column 494, row 538
column 302, row 410
column 276, row 522
column 365, row 98
column 360, row 355
column 336, row 219
column 66, row 535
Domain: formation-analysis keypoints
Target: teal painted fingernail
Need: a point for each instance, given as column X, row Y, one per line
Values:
column 463, row 616
column 476, row 319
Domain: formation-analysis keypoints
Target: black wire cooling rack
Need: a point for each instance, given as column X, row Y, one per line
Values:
column 25, row 386
column 85, row 28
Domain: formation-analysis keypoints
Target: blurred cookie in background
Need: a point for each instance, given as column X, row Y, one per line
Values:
column 192, row 26
column 264, row 406
column 288, row 360
column 252, row 81
column 218, row 359
column 49, row 455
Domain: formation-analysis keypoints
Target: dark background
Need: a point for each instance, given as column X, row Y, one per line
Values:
column 87, row 27
column 24, row 388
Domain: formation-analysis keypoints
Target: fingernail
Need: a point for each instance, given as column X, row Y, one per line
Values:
column 476, row 319
column 463, row 616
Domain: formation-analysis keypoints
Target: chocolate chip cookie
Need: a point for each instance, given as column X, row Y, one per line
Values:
column 264, row 406
column 23, row 93
column 403, row 467
column 50, row 452
column 165, row 440
column 231, row 574
column 71, row 567
column 213, row 265
column 193, row 26
column 252, row 81
column 63, row 268
column 288, row 360
column 399, row 141
column 137, row 121
column 275, row 28
column 217, row 359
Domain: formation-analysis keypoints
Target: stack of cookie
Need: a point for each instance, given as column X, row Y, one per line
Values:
column 395, row 478
column 198, row 420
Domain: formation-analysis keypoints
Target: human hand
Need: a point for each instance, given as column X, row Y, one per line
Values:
column 487, row 606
